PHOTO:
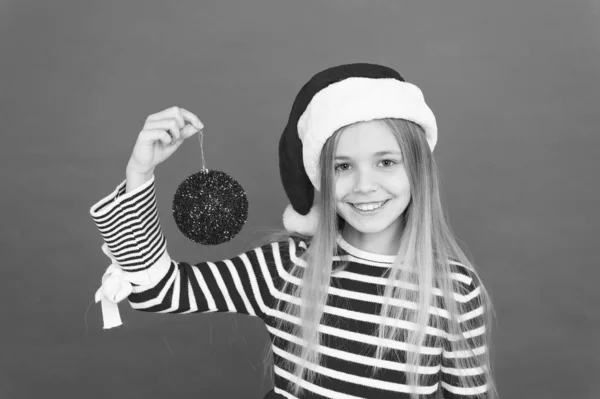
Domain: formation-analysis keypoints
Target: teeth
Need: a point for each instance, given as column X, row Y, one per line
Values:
column 369, row 207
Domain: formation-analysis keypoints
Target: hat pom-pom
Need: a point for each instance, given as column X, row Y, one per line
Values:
column 303, row 224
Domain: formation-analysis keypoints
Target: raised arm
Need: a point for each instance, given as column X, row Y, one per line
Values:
column 141, row 268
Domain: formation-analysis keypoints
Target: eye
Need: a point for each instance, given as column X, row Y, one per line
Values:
column 337, row 167
column 389, row 160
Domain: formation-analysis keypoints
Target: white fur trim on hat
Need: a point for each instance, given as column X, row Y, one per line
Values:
column 303, row 224
column 354, row 100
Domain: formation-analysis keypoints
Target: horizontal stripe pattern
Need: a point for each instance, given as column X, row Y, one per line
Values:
column 251, row 283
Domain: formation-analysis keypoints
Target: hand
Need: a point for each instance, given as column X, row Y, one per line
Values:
column 162, row 134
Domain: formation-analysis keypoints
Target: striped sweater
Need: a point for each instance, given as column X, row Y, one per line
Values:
column 250, row 283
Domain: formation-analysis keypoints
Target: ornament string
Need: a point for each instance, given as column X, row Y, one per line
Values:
column 201, row 137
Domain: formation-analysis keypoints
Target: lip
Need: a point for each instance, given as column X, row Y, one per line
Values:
column 368, row 202
column 369, row 213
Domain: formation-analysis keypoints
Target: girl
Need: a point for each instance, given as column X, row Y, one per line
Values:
column 366, row 294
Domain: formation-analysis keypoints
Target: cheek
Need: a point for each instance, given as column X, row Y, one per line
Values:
column 338, row 189
column 400, row 185
column 342, row 188
column 402, row 190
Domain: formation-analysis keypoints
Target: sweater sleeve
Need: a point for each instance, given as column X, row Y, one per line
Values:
column 473, row 328
column 134, row 241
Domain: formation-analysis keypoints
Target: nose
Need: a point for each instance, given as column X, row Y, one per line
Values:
column 364, row 182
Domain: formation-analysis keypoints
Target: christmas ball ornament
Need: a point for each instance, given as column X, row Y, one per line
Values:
column 210, row 207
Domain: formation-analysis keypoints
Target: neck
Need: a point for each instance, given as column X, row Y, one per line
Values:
column 382, row 243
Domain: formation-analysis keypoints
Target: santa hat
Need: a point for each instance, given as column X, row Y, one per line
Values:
column 331, row 99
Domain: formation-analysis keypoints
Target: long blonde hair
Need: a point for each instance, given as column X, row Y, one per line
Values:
column 426, row 248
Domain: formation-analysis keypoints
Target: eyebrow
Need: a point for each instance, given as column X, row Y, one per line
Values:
column 380, row 153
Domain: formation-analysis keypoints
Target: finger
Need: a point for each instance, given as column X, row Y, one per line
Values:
column 193, row 119
column 173, row 112
column 149, row 137
column 170, row 125
column 188, row 131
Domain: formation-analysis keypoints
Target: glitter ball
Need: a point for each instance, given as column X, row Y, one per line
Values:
column 210, row 207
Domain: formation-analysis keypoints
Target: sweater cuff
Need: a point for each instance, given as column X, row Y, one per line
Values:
column 130, row 226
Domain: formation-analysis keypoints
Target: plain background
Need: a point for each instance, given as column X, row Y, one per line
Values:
column 515, row 89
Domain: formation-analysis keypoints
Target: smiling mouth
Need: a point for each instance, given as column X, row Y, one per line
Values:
column 371, row 209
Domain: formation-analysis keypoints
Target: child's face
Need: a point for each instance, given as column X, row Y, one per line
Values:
column 366, row 177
